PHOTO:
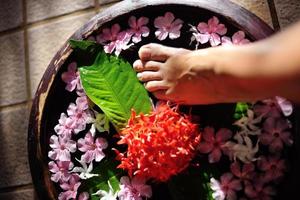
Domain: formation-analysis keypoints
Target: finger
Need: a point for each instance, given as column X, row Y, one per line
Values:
column 140, row 66
column 149, row 76
column 152, row 86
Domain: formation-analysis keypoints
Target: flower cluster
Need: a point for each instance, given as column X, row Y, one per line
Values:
column 113, row 39
column 167, row 26
column 63, row 143
column 253, row 173
column 160, row 144
column 214, row 33
column 163, row 143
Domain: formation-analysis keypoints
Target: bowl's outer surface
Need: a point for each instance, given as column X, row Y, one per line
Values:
column 51, row 99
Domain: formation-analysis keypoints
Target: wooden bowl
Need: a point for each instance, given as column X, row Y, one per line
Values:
column 46, row 108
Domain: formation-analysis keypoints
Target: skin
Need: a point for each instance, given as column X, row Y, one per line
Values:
column 221, row 74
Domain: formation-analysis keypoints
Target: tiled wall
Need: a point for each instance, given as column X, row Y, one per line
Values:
column 31, row 31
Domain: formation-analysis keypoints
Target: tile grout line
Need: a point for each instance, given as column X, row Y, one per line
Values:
column 26, row 49
column 97, row 5
column 43, row 21
column 16, row 188
column 15, row 105
column 11, row 30
column 274, row 15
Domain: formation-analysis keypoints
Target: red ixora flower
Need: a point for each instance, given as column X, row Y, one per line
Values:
column 160, row 144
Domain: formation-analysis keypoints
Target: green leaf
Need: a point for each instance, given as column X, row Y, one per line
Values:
column 84, row 45
column 240, row 110
column 84, row 51
column 107, row 170
column 112, row 85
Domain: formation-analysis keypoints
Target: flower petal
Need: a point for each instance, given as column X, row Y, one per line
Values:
column 142, row 21
column 209, row 134
column 238, row 37
column 226, row 41
column 221, row 29
column 202, row 27
column 132, row 22
column 161, row 34
column 214, row 156
column 214, row 39
column 205, row 147
column 169, row 17
column 223, row 135
column 202, row 38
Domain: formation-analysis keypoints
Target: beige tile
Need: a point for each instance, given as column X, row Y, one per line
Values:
column 12, row 69
column 258, row 7
column 14, row 168
column 45, row 40
column 43, row 9
column 11, row 14
column 288, row 11
column 25, row 194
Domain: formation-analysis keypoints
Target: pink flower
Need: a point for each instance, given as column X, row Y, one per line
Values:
column 238, row 38
column 274, row 107
column 138, row 28
column 65, row 126
column 61, row 148
column 70, row 188
column 60, row 170
column 244, row 173
column 285, row 105
column 210, row 31
column 275, row 134
column 230, row 186
column 82, row 103
column 113, row 39
column 79, row 114
column 214, row 144
column 134, row 189
column 167, row 26
column 79, row 89
column 93, row 149
column 83, row 196
column 71, row 77
column 274, row 167
column 259, row 191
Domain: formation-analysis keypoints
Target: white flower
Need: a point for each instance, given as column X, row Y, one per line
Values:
column 104, row 195
column 248, row 124
column 244, row 152
column 217, row 194
column 85, row 171
column 101, row 122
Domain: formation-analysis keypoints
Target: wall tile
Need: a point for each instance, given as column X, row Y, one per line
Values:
column 45, row 40
column 42, row 9
column 26, row 194
column 14, row 168
column 258, row 7
column 288, row 11
column 12, row 69
column 11, row 14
